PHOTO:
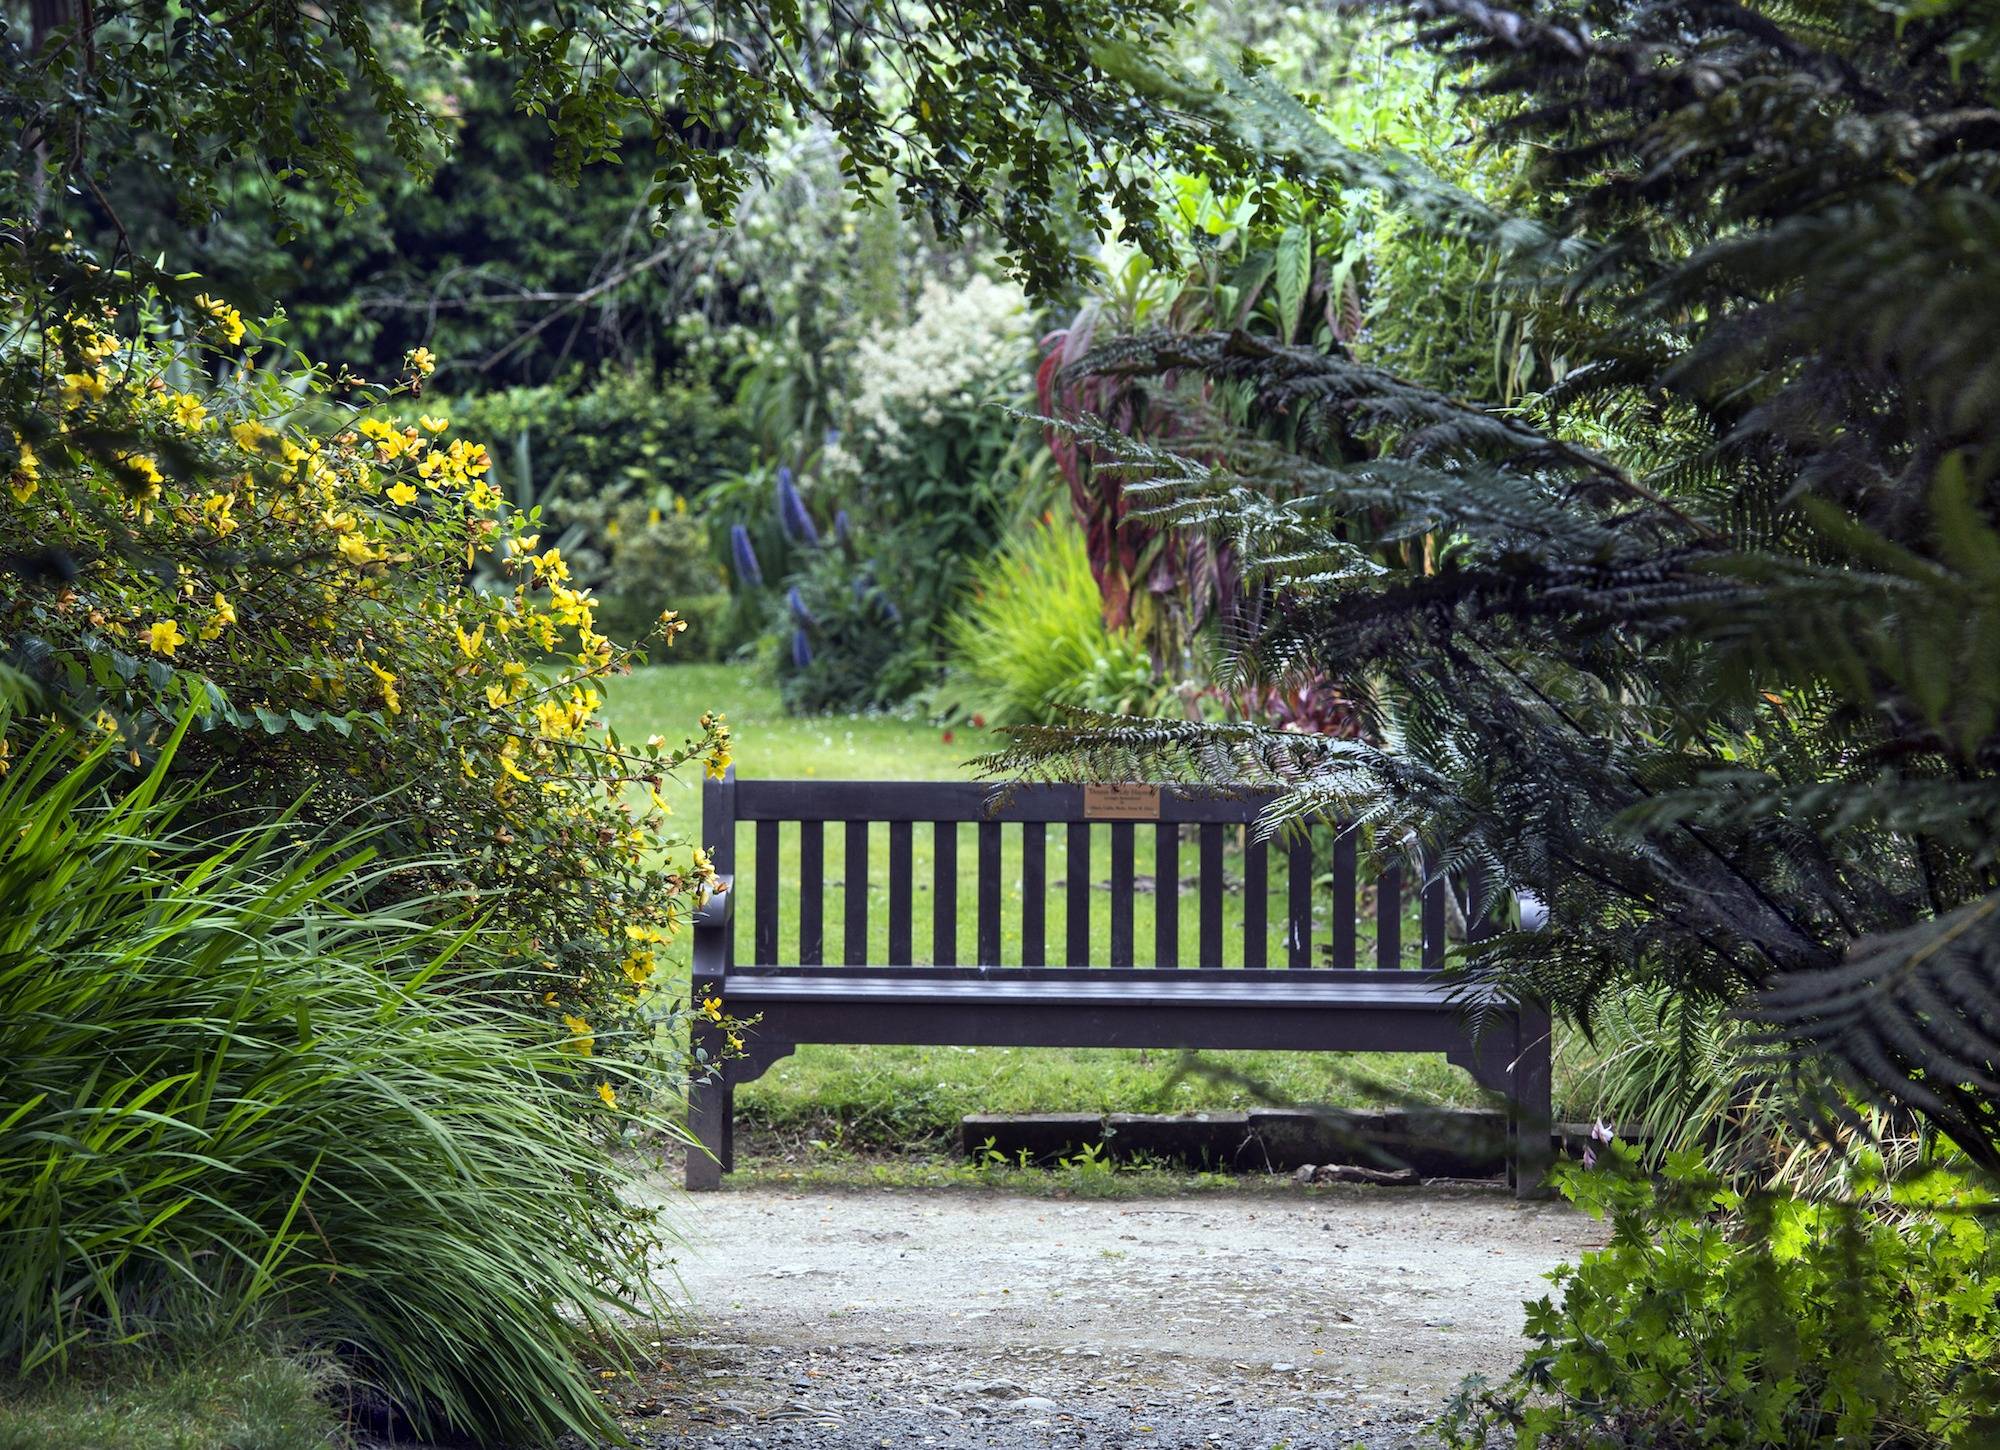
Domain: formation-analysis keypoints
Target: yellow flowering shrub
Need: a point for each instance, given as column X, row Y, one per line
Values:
column 291, row 558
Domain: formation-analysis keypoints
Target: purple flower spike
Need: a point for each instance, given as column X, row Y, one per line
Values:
column 792, row 515
column 797, row 604
column 802, row 654
column 745, row 557
column 840, row 528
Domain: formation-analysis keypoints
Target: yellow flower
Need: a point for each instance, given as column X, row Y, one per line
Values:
column 496, row 696
column 711, row 1008
column 224, row 616
column 251, row 435
column 188, row 411
column 719, row 761
column 215, row 511
column 581, row 1037
column 671, row 624
column 165, row 637
column 355, row 549
column 638, row 967
column 143, row 475
column 78, row 386
column 27, row 474
column 472, row 643
column 389, row 695
column 421, row 361
column 571, row 606
column 404, row 493
column 607, row 1094
column 227, row 318
column 508, row 752
column 433, row 425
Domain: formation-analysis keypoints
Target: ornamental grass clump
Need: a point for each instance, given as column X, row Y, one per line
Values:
column 1031, row 642
column 241, row 1093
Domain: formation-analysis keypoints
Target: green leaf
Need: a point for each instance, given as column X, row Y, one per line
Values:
column 1294, row 276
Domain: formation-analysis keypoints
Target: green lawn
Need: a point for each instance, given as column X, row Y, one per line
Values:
column 913, row 1097
column 236, row 1396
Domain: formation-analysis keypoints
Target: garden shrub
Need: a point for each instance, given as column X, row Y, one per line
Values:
column 581, row 450
column 929, row 460
column 306, row 594
column 1030, row 640
column 241, row 1093
column 1714, row 1318
column 661, row 556
column 845, row 644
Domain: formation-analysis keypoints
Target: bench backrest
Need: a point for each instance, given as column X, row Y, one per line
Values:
column 1276, row 899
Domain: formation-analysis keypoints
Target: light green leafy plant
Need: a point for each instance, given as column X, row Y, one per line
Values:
column 1031, row 640
column 1714, row 1318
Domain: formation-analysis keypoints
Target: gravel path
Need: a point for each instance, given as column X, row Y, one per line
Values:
column 1343, row 1316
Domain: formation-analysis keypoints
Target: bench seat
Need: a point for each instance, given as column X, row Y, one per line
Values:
column 1127, row 987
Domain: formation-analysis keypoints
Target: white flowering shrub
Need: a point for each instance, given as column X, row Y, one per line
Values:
column 930, row 456
column 965, row 354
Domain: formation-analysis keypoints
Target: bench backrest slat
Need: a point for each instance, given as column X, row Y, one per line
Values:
column 1034, row 894
column 812, row 893
column 770, row 888
column 1389, row 916
column 902, row 873
column 855, row 888
column 1434, row 919
column 1209, row 893
column 1214, row 828
column 944, row 893
column 1345, row 916
column 989, row 894
column 1298, row 905
column 718, row 826
column 1077, row 919
column 1256, row 903
column 1121, row 893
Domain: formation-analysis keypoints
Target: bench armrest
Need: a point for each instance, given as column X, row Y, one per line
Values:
column 715, row 908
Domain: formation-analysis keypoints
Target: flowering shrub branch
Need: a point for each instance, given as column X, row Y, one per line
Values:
column 290, row 559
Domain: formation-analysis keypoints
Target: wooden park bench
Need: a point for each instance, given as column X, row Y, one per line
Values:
column 1190, row 997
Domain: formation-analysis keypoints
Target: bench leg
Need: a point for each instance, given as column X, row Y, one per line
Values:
column 1531, row 1113
column 728, row 1153
column 708, row 1117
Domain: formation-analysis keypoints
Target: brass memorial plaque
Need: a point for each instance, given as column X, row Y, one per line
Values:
column 1121, row 802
